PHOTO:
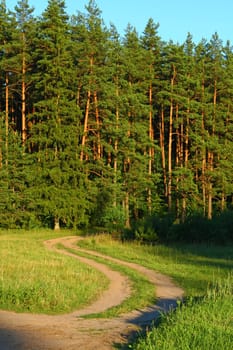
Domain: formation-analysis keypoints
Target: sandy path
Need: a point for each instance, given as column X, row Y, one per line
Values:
column 71, row 331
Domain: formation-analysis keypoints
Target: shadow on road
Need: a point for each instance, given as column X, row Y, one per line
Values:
column 11, row 339
column 145, row 320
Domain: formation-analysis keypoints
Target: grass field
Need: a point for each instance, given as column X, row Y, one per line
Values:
column 205, row 324
column 33, row 279
column 193, row 267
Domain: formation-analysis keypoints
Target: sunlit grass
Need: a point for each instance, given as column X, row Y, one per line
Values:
column 205, row 324
column 193, row 267
column 34, row 279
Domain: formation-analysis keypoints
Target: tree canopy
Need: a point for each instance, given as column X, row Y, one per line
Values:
column 99, row 129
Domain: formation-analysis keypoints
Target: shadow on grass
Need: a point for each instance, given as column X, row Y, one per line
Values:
column 203, row 255
column 145, row 320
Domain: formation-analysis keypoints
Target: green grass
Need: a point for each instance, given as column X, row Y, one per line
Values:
column 193, row 267
column 206, row 324
column 33, row 279
column 36, row 280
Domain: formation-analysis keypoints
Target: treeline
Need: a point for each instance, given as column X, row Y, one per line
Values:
column 99, row 129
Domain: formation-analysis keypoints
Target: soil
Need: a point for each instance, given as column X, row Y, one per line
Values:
column 72, row 331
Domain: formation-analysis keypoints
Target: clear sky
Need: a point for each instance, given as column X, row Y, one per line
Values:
column 176, row 18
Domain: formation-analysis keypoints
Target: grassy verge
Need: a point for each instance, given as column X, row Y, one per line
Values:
column 206, row 324
column 33, row 279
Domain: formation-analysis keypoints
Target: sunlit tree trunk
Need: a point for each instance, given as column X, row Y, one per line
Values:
column 86, row 117
column 162, row 147
column 56, row 223
column 203, row 151
column 170, row 140
column 85, row 126
column 24, row 131
column 126, row 209
column 115, row 162
column 6, row 115
column 151, row 136
column 97, row 126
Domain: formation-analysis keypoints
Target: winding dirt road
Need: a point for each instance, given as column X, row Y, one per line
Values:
column 71, row 331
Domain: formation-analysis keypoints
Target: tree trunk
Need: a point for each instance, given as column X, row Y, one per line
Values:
column 210, row 187
column 85, row 125
column 7, row 115
column 223, row 201
column 97, row 126
column 186, row 160
column 56, row 223
column 169, row 187
column 210, row 157
column 178, row 157
column 126, row 207
column 170, row 139
column 115, row 163
column 204, row 181
column 24, row 132
column 162, row 147
column 151, row 136
column 203, row 151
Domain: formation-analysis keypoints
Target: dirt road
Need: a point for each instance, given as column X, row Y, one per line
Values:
column 71, row 331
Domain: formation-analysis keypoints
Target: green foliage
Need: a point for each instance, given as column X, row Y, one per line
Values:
column 195, row 229
column 110, row 130
column 151, row 229
column 199, row 229
column 114, row 219
column 14, row 209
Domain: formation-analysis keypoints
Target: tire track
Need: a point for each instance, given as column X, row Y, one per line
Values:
column 71, row 331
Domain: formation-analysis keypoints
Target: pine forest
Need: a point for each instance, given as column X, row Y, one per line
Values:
column 100, row 130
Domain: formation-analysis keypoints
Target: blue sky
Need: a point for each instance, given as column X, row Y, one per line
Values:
column 176, row 18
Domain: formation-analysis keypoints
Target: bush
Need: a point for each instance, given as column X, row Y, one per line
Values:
column 151, row 229
column 198, row 229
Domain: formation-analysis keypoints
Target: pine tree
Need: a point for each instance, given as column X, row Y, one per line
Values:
column 95, row 82
column 186, row 189
column 136, row 140
column 223, row 185
column 57, row 183
column 22, row 62
column 14, row 211
column 151, row 43
column 169, row 97
column 7, row 25
column 89, row 38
